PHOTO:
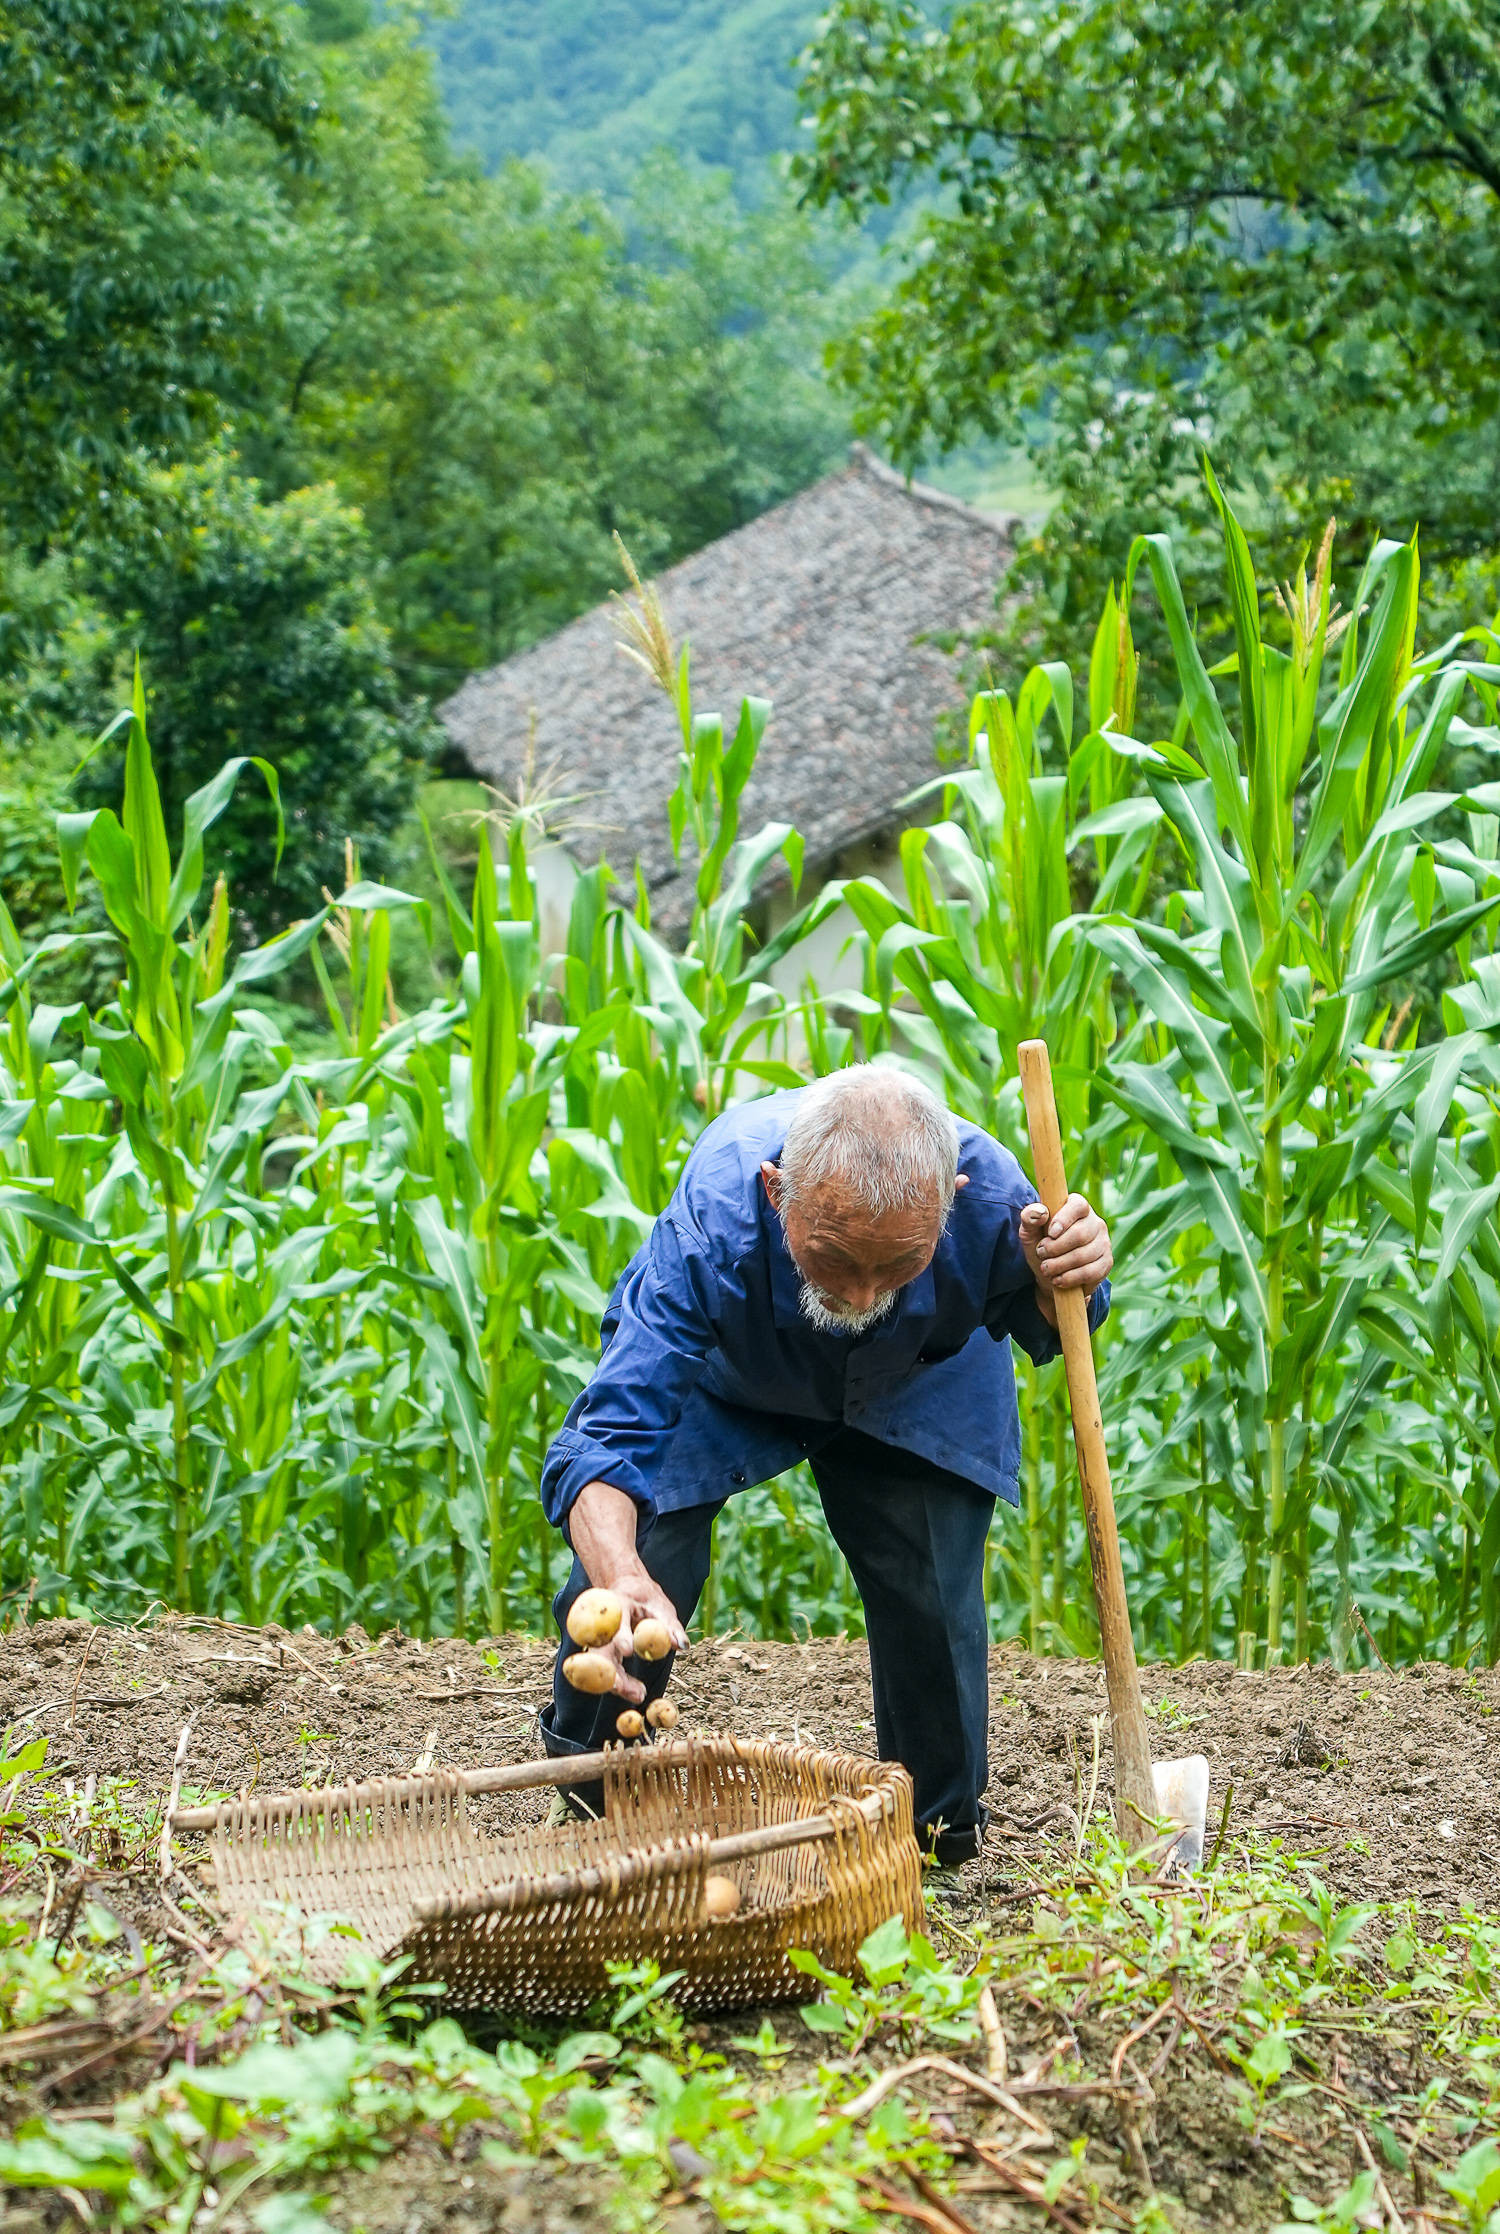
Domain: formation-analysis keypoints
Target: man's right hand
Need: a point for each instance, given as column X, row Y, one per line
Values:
column 642, row 1601
column 602, row 1527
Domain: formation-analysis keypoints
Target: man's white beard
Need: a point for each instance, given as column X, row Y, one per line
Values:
column 832, row 1317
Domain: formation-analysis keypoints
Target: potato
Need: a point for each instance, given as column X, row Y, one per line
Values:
column 651, row 1640
column 589, row 1671
column 662, row 1715
column 629, row 1724
column 594, row 1618
column 721, row 1897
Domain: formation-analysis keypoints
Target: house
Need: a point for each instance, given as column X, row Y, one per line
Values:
column 827, row 606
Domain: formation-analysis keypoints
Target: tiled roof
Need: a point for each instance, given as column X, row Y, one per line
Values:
column 818, row 606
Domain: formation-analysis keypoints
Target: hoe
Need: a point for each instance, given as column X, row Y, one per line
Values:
column 1174, row 1790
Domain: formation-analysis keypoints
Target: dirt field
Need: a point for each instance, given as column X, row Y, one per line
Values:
column 1391, row 1781
column 1407, row 1765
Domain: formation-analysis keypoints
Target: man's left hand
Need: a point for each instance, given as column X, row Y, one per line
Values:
column 1069, row 1251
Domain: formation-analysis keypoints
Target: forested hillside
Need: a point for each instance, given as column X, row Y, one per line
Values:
column 592, row 85
column 360, row 420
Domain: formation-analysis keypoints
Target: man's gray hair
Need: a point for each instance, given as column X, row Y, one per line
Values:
column 877, row 1132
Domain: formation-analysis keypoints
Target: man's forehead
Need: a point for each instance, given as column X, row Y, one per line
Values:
column 836, row 1216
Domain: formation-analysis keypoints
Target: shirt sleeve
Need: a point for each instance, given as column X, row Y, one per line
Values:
column 655, row 1339
column 1020, row 1316
column 1011, row 1307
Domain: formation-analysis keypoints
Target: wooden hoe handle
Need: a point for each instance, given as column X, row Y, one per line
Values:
column 1135, row 1791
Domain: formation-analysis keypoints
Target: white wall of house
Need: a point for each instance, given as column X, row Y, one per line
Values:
column 824, row 956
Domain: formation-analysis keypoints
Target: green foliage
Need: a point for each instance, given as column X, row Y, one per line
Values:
column 289, row 1332
column 256, row 623
column 294, row 1333
column 502, row 380
column 272, row 247
column 276, row 2094
column 592, row 86
column 909, row 1994
column 1163, row 224
column 1240, row 1069
column 121, row 327
column 286, row 2116
column 1474, row 2183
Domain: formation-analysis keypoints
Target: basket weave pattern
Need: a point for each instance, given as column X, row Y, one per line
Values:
column 528, row 1920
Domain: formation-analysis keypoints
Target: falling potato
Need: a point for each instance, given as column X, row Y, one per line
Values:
column 629, row 1724
column 651, row 1640
column 594, row 1618
column 662, row 1715
column 721, row 1897
column 589, row 1671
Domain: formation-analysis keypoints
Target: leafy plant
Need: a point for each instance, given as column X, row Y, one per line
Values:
column 908, row 1989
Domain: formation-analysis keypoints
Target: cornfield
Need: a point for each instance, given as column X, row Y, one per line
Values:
column 286, row 1336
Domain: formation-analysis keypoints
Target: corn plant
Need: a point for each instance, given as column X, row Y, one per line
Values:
column 1305, row 900
column 288, row 1333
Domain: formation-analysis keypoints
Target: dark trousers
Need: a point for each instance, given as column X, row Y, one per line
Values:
column 914, row 1536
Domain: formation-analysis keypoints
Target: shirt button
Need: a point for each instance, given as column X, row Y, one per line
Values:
column 738, row 1478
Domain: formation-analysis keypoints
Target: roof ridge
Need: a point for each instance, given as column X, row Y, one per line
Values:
column 863, row 459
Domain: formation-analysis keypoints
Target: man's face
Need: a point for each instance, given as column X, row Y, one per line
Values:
column 852, row 1261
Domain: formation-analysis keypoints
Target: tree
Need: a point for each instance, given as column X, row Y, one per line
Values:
column 257, row 633
column 121, row 313
column 501, row 377
column 1167, row 220
column 224, row 228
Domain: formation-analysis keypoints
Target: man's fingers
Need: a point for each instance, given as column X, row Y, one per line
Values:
column 1081, row 1268
column 627, row 1687
column 1072, row 1211
column 1084, row 1241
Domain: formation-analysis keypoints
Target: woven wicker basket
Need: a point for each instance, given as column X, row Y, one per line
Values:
column 821, row 1846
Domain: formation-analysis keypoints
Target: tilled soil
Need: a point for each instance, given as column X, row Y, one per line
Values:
column 1392, row 1781
column 1395, row 1776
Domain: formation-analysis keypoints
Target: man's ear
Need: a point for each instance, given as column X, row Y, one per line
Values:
column 961, row 1181
column 770, row 1179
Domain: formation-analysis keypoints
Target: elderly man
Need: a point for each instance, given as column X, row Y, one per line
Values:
column 836, row 1278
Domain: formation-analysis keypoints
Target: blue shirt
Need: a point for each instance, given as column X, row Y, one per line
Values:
column 710, row 1379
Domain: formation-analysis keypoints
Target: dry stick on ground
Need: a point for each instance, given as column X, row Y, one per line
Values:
column 1387, row 2204
column 77, row 1680
column 881, row 2196
column 1374, row 1647
column 1154, row 2070
column 1117, row 2060
column 1136, row 2149
column 159, row 2016
column 1219, row 2058
column 1019, row 2184
column 165, row 1850
column 939, row 2202
column 185, row 1931
column 39, row 2040
column 879, row 2088
column 995, row 2059
column 1223, row 1825
column 284, row 1644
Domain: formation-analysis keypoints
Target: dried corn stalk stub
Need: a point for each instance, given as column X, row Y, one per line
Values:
column 594, row 1618
column 589, row 1671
